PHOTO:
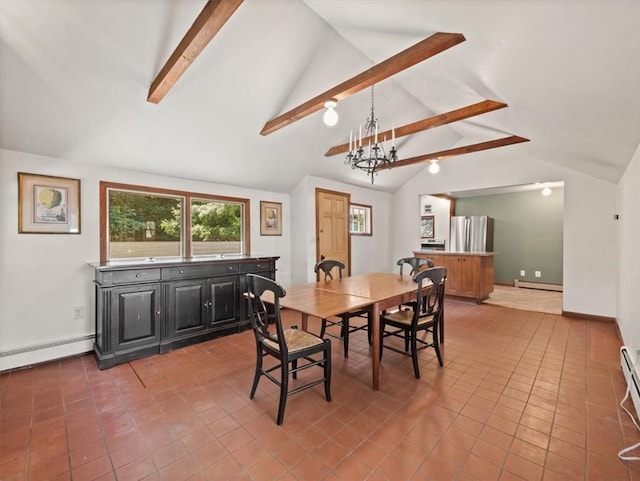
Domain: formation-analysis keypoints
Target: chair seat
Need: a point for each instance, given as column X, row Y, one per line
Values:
column 296, row 340
column 406, row 316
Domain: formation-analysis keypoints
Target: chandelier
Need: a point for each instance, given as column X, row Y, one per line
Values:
column 371, row 156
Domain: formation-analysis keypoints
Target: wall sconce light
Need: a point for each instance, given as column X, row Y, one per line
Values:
column 434, row 168
column 330, row 116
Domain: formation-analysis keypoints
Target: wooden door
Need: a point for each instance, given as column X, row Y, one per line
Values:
column 332, row 227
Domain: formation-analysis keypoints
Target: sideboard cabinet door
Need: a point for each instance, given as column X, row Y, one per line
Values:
column 186, row 307
column 135, row 314
column 223, row 309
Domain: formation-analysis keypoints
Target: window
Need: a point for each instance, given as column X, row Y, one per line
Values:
column 360, row 219
column 142, row 222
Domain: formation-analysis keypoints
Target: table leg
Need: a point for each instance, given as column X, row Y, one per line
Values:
column 375, row 359
column 305, row 321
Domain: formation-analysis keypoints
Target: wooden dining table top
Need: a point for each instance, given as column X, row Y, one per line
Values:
column 322, row 303
column 375, row 286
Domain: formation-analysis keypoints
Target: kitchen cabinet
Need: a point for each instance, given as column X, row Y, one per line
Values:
column 469, row 275
column 142, row 309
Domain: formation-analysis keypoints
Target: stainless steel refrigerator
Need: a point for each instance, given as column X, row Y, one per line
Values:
column 471, row 234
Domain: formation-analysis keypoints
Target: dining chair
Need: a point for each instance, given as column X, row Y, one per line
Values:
column 323, row 270
column 287, row 346
column 417, row 264
column 406, row 324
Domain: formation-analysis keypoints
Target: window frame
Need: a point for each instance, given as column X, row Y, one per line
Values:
column 368, row 213
column 186, row 224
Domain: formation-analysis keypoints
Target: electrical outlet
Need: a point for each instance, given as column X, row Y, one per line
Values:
column 522, row 274
column 78, row 312
column 538, row 274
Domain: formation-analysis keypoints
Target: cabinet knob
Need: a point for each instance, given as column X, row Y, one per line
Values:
column 230, row 268
column 210, row 303
column 137, row 275
column 181, row 271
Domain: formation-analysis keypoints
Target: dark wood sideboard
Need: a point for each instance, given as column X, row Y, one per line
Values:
column 150, row 308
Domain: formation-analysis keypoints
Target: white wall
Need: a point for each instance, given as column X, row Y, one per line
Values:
column 590, row 247
column 441, row 211
column 43, row 276
column 629, row 253
column 368, row 253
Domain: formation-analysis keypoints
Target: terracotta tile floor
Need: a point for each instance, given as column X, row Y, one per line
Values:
column 522, row 396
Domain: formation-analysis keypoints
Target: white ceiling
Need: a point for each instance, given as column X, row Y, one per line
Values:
column 74, row 77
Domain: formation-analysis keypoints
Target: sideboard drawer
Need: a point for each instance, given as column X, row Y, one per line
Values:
column 209, row 270
column 135, row 275
column 260, row 266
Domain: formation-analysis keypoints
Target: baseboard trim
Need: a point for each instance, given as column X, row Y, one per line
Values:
column 537, row 285
column 587, row 317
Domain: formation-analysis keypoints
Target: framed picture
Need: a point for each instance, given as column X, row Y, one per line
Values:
column 48, row 205
column 270, row 218
column 427, row 227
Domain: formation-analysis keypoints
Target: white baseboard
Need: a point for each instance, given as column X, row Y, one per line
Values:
column 27, row 356
column 537, row 285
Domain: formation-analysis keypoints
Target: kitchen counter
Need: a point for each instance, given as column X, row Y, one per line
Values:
column 469, row 274
column 450, row 253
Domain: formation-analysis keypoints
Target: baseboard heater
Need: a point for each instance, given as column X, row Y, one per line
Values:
column 537, row 285
column 38, row 347
column 628, row 362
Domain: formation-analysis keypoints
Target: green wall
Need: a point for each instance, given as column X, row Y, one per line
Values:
column 527, row 233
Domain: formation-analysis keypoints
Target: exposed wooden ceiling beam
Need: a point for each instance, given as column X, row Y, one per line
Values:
column 424, row 49
column 429, row 123
column 467, row 149
column 213, row 16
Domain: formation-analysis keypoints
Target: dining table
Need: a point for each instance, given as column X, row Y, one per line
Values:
column 375, row 292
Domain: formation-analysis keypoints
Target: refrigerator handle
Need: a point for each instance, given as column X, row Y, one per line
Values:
column 467, row 234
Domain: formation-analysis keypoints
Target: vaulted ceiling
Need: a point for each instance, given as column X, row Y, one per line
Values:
column 74, row 80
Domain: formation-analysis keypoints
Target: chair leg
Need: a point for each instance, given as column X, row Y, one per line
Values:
column 295, row 367
column 414, row 353
column 327, row 370
column 381, row 338
column 369, row 323
column 284, row 389
column 323, row 327
column 345, row 335
column 258, row 373
column 406, row 341
column 436, row 342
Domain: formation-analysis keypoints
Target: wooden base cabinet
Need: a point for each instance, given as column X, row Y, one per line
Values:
column 143, row 310
column 468, row 275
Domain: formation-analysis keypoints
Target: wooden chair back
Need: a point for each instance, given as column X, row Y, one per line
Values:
column 325, row 267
